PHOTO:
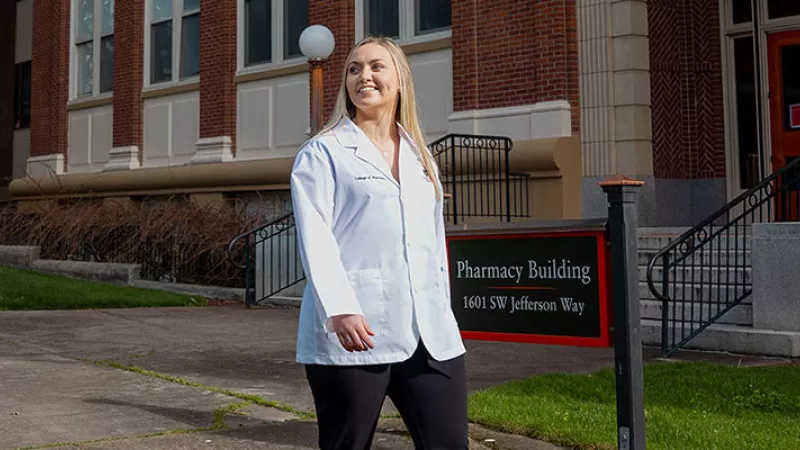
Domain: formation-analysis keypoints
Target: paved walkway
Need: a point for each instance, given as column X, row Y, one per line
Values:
column 61, row 380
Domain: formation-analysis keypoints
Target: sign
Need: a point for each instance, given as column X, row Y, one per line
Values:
column 531, row 285
column 794, row 116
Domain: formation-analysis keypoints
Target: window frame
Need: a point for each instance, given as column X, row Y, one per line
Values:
column 19, row 105
column 407, row 16
column 278, row 35
column 177, row 50
column 97, row 39
column 765, row 23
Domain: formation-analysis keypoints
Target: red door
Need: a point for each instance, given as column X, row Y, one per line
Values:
column 784, row 107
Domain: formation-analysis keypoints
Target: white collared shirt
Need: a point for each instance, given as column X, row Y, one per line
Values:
column 371, row 246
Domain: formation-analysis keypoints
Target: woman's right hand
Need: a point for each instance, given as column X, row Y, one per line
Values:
column 353, row 332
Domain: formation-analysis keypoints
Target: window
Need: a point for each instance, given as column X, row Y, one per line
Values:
column 271, row 30
column 741, row 11
column 405, row 19
column 94, row 41
column 174, row 40
column 22, row 95
column 782, row 8
column 745, row 107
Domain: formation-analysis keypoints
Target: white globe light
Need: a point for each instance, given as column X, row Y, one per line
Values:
column 316, row 42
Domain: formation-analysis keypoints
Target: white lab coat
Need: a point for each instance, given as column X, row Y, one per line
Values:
column 370, row 246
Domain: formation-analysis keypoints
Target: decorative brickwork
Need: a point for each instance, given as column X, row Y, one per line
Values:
column 50, row 77
column 339, row 17
column 686, row 84
column 514, row 52
column 218, row 69
column 128, row 72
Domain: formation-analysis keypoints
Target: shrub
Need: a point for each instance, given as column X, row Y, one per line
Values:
column 174, row 240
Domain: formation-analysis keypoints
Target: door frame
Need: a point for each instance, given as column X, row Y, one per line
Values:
column 776, row 106
column 728, row 32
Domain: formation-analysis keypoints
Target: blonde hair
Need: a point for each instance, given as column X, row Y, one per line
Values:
column 406, row 113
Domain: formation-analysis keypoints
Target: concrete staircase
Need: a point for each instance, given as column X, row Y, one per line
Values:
column 734, row 331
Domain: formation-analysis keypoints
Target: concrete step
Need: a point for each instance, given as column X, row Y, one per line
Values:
column 701, row 275
column 738, row 315
column 709, row 292
column 715, row 257
column 657, row 242
column 732, row 338
column 658, row 238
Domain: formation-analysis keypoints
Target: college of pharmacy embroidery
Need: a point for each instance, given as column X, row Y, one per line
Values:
column 425, row 174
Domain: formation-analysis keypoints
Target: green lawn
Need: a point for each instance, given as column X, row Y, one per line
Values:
column 688, row 406
column 23, row 289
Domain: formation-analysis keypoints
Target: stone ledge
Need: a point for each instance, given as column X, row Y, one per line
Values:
column 220, row 292
column 19, row 255
column 93, row 271
column 734, row 339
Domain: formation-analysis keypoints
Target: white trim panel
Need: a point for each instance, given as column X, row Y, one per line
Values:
column 23, row 44
column 272, row 117
column 90, row 137
column 537, row 121
column 171, row 129
column 22, row 151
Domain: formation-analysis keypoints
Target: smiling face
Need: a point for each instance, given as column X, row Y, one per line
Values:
column 372, row 81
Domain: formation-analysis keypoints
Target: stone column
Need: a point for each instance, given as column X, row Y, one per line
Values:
column 616, row 131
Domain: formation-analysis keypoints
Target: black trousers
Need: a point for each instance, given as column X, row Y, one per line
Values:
column 430, row 395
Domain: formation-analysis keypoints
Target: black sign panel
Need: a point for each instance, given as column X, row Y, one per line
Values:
column 530, row 287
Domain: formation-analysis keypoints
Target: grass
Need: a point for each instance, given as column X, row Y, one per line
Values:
column 28, row 290
column 688, row 406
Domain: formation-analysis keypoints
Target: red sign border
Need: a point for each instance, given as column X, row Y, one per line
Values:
column 794, row 109
column 606, row 338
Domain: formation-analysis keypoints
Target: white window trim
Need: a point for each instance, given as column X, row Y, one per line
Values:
column 766, row 24
column 277, row 29
column 97, row 38
column 177, row 29
column 407, row 26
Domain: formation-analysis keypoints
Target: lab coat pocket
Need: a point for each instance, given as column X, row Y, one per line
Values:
column 369, row 289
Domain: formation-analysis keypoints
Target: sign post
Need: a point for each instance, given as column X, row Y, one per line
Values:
column 570, row 282
column 621, row 194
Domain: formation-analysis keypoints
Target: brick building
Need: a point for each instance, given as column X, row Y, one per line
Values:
column 173, row 96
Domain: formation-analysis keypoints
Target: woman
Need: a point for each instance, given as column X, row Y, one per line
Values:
column 376, row 318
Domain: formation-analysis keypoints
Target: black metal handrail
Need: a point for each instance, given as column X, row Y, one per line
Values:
column 272, row 252
column 705, row 272
column 473, row 168
column 475, row 171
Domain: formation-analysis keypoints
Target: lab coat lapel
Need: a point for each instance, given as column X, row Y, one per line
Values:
column 349, row 135
column 368, row 152
column 407, row 159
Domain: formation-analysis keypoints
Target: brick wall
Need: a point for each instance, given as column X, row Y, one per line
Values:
column 50, row 77
column 686, row 85
column 7, row 38
column 514, row 52
column 339, row 17
column 218, row 69
column 128, row 67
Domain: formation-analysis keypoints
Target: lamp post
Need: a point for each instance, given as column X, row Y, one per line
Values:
column 316, row 43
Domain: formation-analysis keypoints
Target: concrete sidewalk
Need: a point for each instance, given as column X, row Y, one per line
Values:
column 54, row 387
